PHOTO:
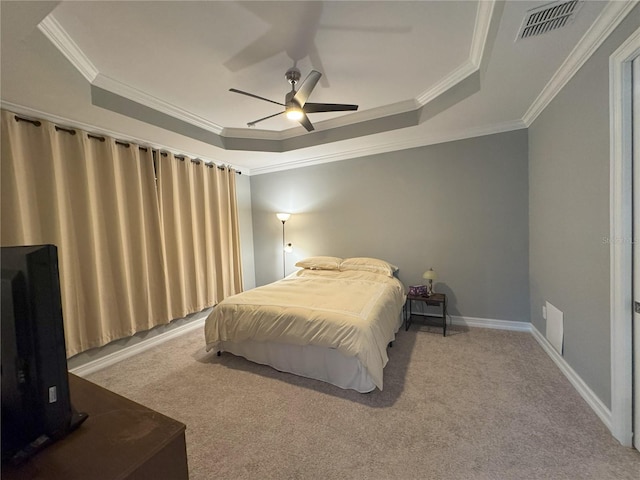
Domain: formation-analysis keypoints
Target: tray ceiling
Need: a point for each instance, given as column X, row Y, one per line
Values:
column 420, row 71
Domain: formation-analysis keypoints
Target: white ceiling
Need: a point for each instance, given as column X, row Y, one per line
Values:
column 159, row 72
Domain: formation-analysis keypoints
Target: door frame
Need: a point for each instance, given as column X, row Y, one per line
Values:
column 620, row 239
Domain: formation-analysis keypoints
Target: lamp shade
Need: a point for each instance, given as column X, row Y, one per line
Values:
column 429, row 274
column 283, row 217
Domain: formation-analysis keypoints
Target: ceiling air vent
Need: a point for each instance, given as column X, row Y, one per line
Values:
column 548, row 17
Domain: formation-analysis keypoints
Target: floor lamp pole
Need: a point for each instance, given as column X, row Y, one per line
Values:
column 284, row 254
column 283, row 217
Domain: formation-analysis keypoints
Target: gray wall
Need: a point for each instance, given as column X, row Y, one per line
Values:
column 569, row 214
column 459, row 207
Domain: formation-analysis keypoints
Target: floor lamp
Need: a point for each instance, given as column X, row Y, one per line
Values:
column 283, row 217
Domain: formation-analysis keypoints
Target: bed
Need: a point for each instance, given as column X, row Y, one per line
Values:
column 332, row 320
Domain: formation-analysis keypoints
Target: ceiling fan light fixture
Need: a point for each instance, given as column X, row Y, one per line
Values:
column 294, row 113
column 295, row 103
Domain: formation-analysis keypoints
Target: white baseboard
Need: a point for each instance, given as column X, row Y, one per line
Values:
column 129, row 351
column 583, row 389
column 491, row 323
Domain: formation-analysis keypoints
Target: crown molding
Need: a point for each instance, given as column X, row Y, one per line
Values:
column 251, row 133
column 610, row 17
column 481, row 31
column 448, row 82
column 67, row 122
column 393, row 146
column 138, row 96
column 65, row 44
column 472, row 64
column 334, row 157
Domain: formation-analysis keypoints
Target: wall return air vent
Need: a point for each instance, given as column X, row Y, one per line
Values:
column 548, row 17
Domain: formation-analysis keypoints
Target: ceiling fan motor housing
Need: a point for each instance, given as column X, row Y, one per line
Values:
column 292, row 75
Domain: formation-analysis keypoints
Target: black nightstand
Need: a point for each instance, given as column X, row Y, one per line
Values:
column 436, row 299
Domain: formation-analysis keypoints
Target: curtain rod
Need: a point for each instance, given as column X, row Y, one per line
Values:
column 100, row 138
column 28, row 120
column 197, row 161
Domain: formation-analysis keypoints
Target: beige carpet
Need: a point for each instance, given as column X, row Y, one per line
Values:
column 479, row 404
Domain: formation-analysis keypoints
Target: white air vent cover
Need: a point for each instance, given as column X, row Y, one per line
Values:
column 548, row 17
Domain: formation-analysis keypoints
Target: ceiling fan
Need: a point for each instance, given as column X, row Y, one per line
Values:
column 295, row 101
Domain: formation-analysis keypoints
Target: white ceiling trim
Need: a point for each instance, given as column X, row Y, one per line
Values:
column 459, row 74
column 472, row 64
column 610, row 17
column 63, row 42
column 394, row 146
column 481, row 31
column 344, row 155
column 131, row 93
column 66, row 122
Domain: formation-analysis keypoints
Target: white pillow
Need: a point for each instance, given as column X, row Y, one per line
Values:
column 369, row 265
column 320, row 263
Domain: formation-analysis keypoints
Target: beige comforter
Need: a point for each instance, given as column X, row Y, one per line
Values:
column 354, row 312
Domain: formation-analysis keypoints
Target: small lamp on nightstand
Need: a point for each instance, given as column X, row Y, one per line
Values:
column 431, row 276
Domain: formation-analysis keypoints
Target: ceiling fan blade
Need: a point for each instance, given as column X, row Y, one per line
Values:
column 306, row 87
column 251, row 124
column 304, row 121
column 234, row 90
column 328, row 107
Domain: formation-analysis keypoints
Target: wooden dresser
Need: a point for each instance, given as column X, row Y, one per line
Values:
column 121, row 439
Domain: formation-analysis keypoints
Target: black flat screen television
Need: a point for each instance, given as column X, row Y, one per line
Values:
column 36, row 405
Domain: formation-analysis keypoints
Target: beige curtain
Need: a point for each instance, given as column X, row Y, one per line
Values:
column 199, row 219
column 96, row 200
